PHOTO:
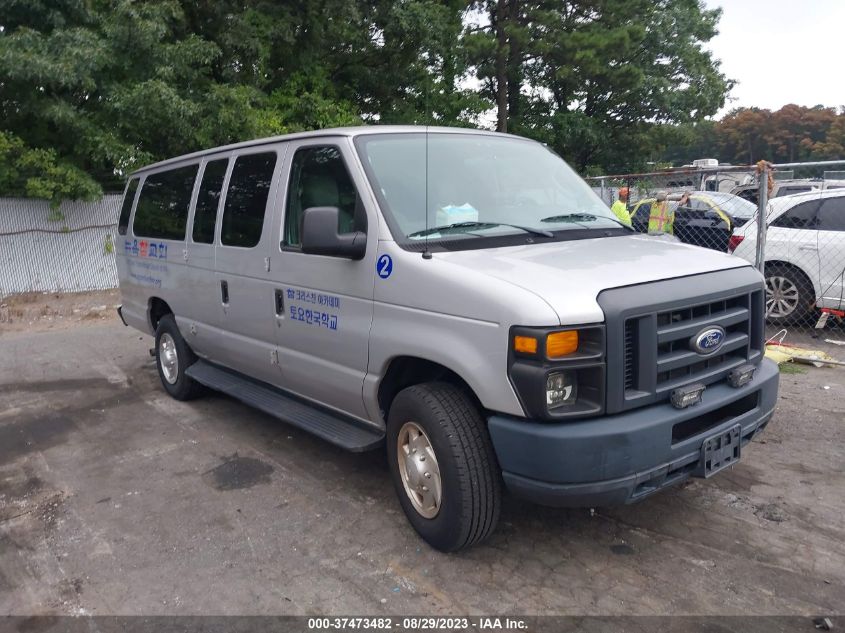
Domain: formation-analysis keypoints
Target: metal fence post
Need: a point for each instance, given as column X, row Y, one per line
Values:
column 762, row 203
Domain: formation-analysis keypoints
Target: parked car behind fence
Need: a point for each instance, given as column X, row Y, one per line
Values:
column 805, row 254
column 704, row 219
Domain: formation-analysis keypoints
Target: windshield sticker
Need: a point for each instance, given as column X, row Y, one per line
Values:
column 384, row 266
column 451, row 214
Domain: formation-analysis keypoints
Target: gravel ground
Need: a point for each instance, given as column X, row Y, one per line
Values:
column 115, row 499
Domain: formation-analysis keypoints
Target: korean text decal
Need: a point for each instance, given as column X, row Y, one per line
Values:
column 321, row 316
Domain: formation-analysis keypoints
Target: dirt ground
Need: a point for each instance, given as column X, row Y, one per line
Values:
column 38, row 311
column 116, row 499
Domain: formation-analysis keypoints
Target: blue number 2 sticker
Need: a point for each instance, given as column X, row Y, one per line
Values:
column 384, row 266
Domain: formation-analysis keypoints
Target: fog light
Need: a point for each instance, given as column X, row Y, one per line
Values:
column 561, row 389
column 741, row 375
column 684, row 397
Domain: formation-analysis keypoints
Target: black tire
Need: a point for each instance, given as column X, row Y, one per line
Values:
column 471, row 488
column 793, row 283
column 183, row 387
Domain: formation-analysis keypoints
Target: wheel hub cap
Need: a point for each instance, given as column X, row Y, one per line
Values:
column 781, row 296
column 419, row 470
column 168, row 359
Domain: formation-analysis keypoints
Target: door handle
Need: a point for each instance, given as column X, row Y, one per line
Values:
column 808, row 248
column 279, row 302
column 224, row 292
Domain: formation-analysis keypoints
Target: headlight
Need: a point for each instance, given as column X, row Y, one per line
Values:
column 561, row 389
column 558, row 374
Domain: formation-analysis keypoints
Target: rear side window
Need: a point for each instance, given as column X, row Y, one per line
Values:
column 319, row 178
column 832, row 215
column 246, row 199
column 801, row 216
column 788, row 191
column 162, row 211
column 208, row 199
column 126, row 208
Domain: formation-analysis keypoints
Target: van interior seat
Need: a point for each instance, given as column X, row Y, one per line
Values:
column 321, row 190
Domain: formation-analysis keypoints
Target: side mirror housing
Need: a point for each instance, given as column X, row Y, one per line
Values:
column 320, row 236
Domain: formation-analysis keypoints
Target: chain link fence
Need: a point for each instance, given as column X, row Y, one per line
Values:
column 800, row 248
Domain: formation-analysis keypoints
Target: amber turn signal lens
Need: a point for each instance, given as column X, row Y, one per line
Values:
column 561, row 343
column 525, row 344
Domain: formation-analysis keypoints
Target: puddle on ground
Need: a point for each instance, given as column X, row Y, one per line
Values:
column 236, row 473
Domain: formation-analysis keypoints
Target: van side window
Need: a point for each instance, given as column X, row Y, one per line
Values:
column 319, row 178
column 162, row 211
column 801, row 216
column 246, row 199
column 208, row 199
column 126, row 207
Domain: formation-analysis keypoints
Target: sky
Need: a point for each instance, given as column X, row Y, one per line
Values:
column 781, row 51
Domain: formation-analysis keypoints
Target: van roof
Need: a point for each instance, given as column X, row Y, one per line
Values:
column 338, row 131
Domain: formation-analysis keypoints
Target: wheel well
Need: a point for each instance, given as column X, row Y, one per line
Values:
column 777, row 263
column 157, row 309
column 405, row 371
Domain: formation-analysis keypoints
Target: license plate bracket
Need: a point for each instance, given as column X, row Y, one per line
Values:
column 720, row 451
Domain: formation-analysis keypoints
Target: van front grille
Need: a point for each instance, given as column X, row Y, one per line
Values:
column 649, row 347
column 676, row 362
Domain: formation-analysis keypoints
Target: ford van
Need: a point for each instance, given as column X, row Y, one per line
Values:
column 458, row 298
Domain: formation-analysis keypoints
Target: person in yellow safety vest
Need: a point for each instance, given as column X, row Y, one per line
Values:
column 661, row 218
column 620, row 207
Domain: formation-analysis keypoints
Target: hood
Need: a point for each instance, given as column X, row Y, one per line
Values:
column 570, row 275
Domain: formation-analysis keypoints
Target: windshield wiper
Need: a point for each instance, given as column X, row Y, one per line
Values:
column 480, row 225
column 582, row 217
column 574, row 217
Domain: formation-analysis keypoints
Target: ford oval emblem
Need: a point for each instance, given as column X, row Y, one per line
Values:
column 708, row 340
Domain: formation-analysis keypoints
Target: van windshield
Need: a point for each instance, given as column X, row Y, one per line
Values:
column 478, row 186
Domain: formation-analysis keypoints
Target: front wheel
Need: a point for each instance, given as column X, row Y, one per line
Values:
column 443, row 465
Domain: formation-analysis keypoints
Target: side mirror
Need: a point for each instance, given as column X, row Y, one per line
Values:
column 320, row 236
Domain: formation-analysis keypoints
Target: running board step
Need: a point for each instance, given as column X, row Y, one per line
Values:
column 345, row 432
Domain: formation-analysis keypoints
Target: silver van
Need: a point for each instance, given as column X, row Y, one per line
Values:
column 460, row 297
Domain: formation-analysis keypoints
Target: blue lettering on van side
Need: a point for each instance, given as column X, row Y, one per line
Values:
column 314, row 298
column 316, row 318
column 147, row 250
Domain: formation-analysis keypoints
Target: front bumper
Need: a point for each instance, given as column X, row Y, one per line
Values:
column 623, row 458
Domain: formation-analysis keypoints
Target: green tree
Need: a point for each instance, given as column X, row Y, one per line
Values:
column 108, row 85
column 591, row 77
column 38, row 173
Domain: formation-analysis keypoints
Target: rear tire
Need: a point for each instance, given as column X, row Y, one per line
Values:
column 790, row 296
column 173, row 357
column 443, row 465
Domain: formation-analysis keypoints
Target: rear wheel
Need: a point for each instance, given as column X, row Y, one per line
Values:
column 443, row 465
column 173, row 357
column 789, row 295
